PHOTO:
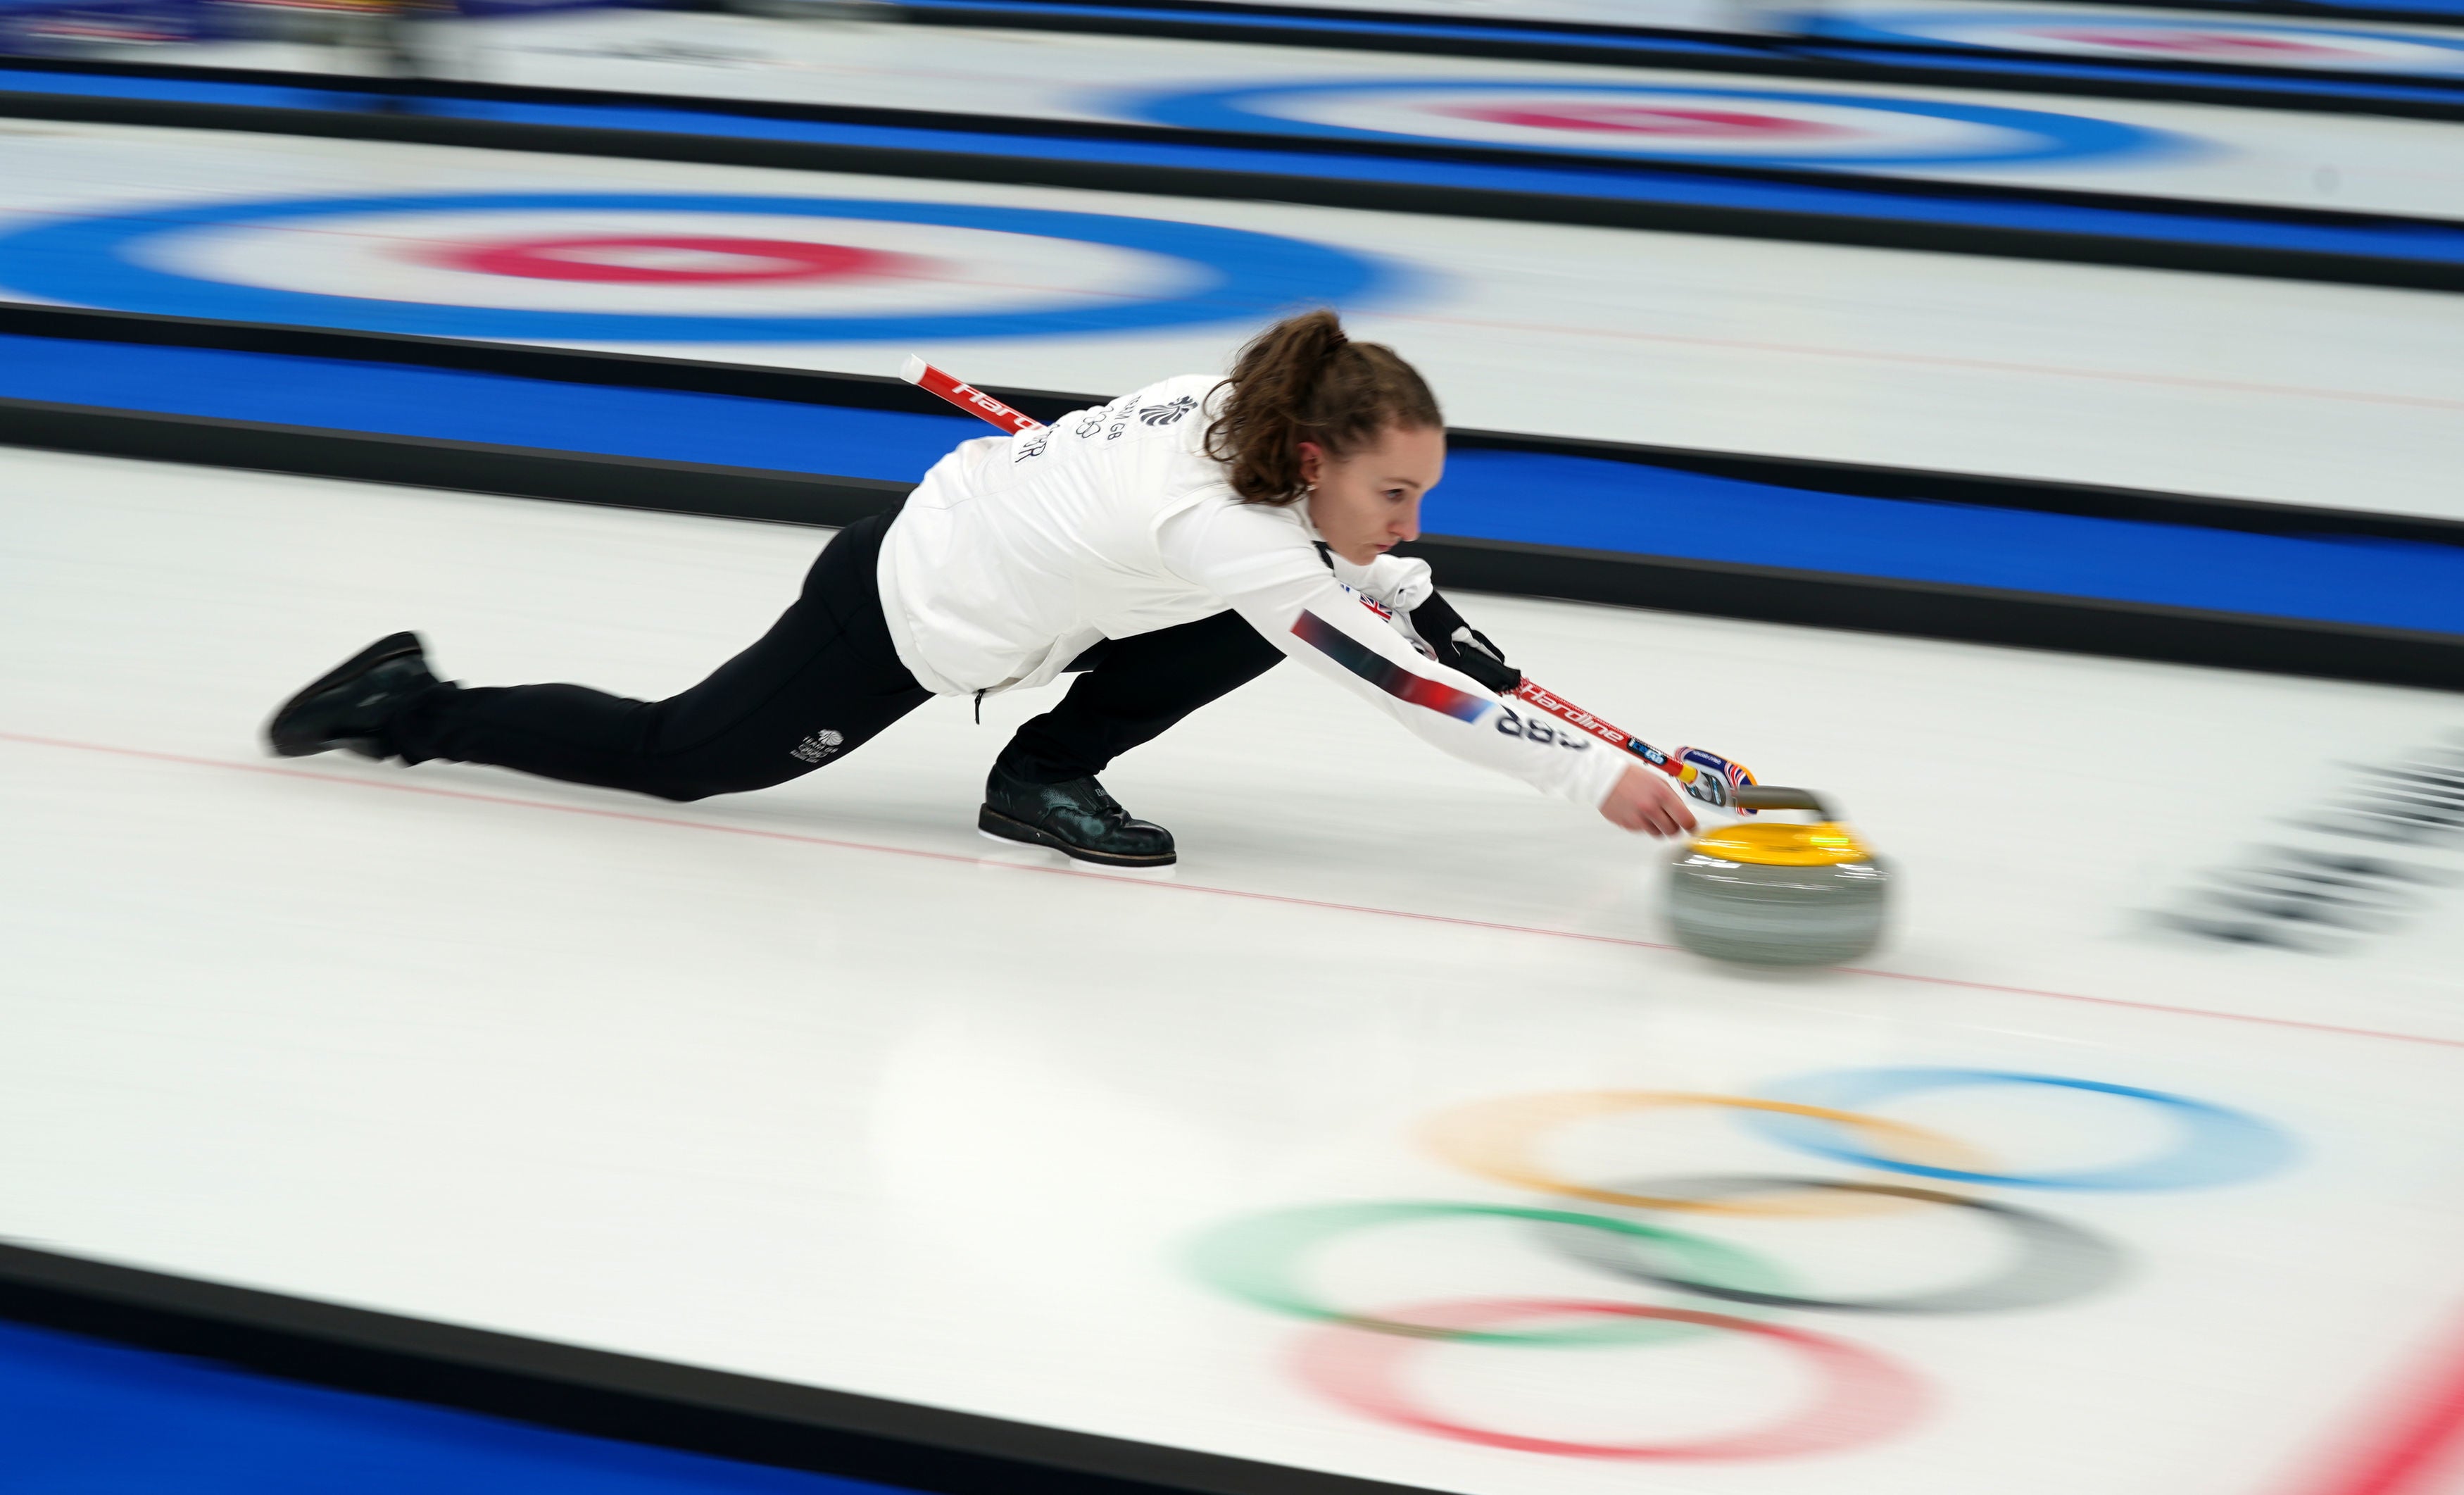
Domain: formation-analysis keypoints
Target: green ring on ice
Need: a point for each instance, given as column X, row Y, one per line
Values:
column 1259, row 1259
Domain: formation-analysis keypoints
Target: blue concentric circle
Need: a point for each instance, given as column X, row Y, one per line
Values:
column 2214, row 1146
column 2042, row 136
column 1245, row 275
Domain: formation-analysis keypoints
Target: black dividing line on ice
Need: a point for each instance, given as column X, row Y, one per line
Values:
column 351, row 91
column 1922, row 609
column 1993, row 68
column 882, row 392
column 1873, row 226
column 620, row 1396
column 1782, row 55
column 1314, row 13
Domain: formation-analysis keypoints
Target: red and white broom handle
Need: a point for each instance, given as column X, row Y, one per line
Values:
column 966, row 396
column 1710, row 777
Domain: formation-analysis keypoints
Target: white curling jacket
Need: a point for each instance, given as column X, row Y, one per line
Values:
column 1017, row 553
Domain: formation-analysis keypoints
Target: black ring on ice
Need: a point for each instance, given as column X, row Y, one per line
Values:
column 2056, row 1260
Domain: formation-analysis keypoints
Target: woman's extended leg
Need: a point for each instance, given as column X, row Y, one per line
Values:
column 824, row 680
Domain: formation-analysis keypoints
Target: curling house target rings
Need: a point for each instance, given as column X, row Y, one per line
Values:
column 2056, row 1262
column 1259, row 1259
column 2215, row 1146
column 1862, row 1396
column 2223, row 39
column 1433, row 110
column 1240, row 276
column 1499, row 1139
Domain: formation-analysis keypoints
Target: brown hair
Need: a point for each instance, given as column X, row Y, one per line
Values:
column 1303, row 380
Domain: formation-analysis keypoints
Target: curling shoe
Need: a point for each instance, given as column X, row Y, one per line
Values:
column 1074, row 817
column 349, row 705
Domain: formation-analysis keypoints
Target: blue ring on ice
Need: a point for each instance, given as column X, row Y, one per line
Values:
column 2217, row 1145
column 1247, row 275
column 1935, row 27
column 2047, row 136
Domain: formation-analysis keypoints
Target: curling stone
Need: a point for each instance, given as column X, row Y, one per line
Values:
column 1774, row 893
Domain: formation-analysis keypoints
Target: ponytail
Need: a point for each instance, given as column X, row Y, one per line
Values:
column 1303, row 380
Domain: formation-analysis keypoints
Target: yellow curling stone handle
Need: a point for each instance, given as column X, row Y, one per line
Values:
column 1826, row 842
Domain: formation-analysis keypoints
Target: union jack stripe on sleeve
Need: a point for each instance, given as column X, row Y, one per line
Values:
column 1384, row 674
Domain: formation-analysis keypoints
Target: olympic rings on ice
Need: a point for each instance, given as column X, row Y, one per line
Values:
column 2216, row 1146
column 1358, row 1358
column 1499, row 1139
column 1863, row 1396
column 2055, row 1262
column 1259, row 1259
column 1128, row 274
column 1742, row 126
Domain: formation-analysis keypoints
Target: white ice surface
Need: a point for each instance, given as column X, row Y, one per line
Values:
column 1748, row 16
column 2333, row 43
column 2347, row 396
column 816, row 1084
column 2330, row 31
column 2301, row 158
column 1753, row 15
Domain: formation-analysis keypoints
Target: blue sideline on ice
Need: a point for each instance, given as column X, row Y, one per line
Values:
column 1533, row 497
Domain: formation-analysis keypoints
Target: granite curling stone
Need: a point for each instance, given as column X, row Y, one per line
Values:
column 1775, row 894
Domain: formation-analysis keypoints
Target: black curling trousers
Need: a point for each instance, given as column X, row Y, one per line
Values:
column 1132, row 690
column 824, row 681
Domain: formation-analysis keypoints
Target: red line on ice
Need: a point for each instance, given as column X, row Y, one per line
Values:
column 801, row 838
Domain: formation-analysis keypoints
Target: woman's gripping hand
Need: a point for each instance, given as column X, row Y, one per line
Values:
column 1648, row 802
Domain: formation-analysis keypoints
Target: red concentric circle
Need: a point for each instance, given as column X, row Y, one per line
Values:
column 1607, row 118
column 1864, row 1397
column 2234, row 46
column 671, row 259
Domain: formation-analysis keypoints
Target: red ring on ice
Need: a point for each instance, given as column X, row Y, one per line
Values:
column 1863, row 1396
column 1606, row 119
column 2233, row 45
column 630, row 259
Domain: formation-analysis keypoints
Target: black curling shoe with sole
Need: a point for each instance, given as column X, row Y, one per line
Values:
column 348, row 706
column 1074, row 817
